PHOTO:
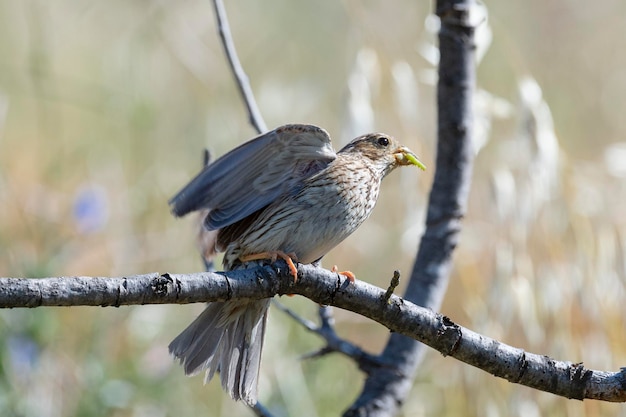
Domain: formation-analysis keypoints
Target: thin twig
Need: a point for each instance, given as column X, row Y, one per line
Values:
column 366, row 361
column 254, row 114
column 204, row 239
column 307, row 324
column 243, row 82
column 395, row 281
column 260, row 410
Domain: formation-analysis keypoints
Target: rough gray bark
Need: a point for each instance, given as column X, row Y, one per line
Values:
column 325, row 287
column 384, row 392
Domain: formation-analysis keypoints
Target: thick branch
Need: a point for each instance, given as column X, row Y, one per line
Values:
column 325, row 287
column 385, row 391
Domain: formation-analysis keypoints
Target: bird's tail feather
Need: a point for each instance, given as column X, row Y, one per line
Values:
column 227, row 337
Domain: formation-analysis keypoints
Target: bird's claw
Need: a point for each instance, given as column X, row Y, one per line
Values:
column 273, row 255
column 348, row 274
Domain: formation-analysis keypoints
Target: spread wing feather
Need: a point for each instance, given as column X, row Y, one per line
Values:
column 255, row 174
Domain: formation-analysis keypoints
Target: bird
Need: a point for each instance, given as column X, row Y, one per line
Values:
column 287, row 194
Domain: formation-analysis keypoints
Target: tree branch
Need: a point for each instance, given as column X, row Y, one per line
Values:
column 328, row 288
column 384, row 392
column 366, row 362
column 243, row 82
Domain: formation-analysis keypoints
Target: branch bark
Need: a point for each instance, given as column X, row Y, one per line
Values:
column 334, row 344
column 243, row 82
column 325, row 287
column 384, row 392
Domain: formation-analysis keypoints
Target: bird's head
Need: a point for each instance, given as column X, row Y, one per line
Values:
column 383, row 152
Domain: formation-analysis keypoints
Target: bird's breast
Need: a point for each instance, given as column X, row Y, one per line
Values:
column 332, row 206
column 325, row 210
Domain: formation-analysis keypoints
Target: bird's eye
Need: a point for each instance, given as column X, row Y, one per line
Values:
column 383, row 141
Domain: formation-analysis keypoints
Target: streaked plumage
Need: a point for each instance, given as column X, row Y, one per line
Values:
column 286, row 190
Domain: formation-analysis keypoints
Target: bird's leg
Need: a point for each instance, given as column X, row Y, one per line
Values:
column 273, row 255
column 348, row 274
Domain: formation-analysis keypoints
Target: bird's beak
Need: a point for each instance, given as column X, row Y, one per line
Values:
column 405, row 157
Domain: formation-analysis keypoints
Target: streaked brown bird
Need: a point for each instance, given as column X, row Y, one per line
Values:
column 285, row 193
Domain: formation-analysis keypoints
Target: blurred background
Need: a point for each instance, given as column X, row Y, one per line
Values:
column 105, row 108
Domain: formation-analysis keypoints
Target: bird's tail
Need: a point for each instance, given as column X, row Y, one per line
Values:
column 227, row 337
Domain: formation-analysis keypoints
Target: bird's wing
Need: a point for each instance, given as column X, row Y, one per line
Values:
column 254, row 174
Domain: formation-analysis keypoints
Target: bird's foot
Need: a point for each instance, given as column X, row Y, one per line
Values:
column 273, row 255
column 348, row 274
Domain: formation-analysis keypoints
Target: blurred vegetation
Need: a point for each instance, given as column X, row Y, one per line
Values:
column 105, row 108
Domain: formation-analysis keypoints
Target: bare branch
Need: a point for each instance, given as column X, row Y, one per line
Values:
column 366, row 362
column 254, row 114
column 384, row 392
column 325, row 287
column 260, row 410
column 393, row 284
